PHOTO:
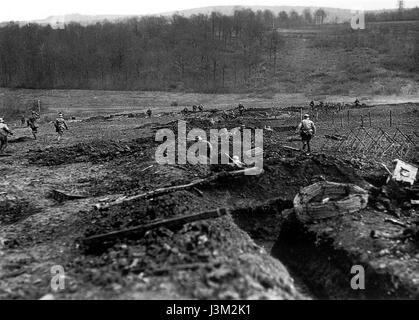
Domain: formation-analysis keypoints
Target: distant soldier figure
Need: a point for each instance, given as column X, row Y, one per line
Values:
column 37, row 105
column 4, row 132
column 22, row 120
column 241, row 109
column 307, row 130
column 60, row 126
column 194, row 108
column 312, row 104
column 357, row 104
column 149, row 112
column 32, row 123
column 185, row 110
column 201, row 108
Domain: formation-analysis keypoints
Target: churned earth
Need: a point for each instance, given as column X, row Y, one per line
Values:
column 104, row 157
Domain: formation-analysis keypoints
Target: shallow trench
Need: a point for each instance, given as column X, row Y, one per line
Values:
column 316, row 270
column 263, row 224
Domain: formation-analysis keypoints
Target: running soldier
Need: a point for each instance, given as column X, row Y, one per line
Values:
column 32, row 123
column 60, row 126
column 307, row 130
column 4, row 132
column 149, row 112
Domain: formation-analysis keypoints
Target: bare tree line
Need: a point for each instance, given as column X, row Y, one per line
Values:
column 204, row 52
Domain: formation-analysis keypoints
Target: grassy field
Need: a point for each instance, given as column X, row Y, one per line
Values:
column 85, row 103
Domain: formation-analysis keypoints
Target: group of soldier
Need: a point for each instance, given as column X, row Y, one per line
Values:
column 306, row 127
column 33, row 123
column 334, row 107
column 195, row 108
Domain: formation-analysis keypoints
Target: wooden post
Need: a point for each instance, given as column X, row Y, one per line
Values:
column 348, row 116
column 317, row 116
column 362, row 121
column 301, row 114
column 391, row 120
column 341, row 120
column 369, row 116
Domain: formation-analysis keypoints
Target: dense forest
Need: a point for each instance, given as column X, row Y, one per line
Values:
column 206, row 53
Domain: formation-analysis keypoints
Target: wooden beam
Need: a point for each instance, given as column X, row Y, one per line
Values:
column 138, row 231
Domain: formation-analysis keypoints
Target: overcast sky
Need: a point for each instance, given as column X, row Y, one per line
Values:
column 40, row 9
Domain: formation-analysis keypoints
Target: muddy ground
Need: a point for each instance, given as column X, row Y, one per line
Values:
column 104, row 157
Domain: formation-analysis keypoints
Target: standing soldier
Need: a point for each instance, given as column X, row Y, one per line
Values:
column 4, row 131
column 37, row 105
column 201, row 108
column 60, row 126
column 307, row 130
column 194, row 108
column 241, row 109
column 32, row 123
column 22, row 120
column 311, row 105
column 149, row 112
column 357, row 104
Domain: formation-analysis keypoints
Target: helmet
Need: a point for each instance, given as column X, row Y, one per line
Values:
column 306, row 115
column 1, row 120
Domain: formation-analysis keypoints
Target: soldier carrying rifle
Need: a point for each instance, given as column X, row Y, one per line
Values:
column 32, row 123
column 60, row 125
column 307, row 130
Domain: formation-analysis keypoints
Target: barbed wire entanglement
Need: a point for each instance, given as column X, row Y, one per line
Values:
column 372, row 142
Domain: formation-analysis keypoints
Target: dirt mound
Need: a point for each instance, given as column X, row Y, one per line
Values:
column 13, row 210
column 20, row 139
column 283, row 176
column 140, row 212
column 98, row 151
column 202, row 259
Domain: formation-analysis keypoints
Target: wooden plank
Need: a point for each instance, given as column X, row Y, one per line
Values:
column 165, row 190
column 138, row 231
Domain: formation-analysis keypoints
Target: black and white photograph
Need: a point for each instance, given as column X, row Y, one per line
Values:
column 203, row 151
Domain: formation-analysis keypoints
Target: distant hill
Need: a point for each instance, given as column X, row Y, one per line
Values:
column 60, row 20
column 333, row 15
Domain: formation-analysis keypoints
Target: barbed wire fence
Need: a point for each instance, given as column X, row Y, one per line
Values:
column 361, row 135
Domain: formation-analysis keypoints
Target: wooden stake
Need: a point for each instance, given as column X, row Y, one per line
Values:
column 391, row 120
